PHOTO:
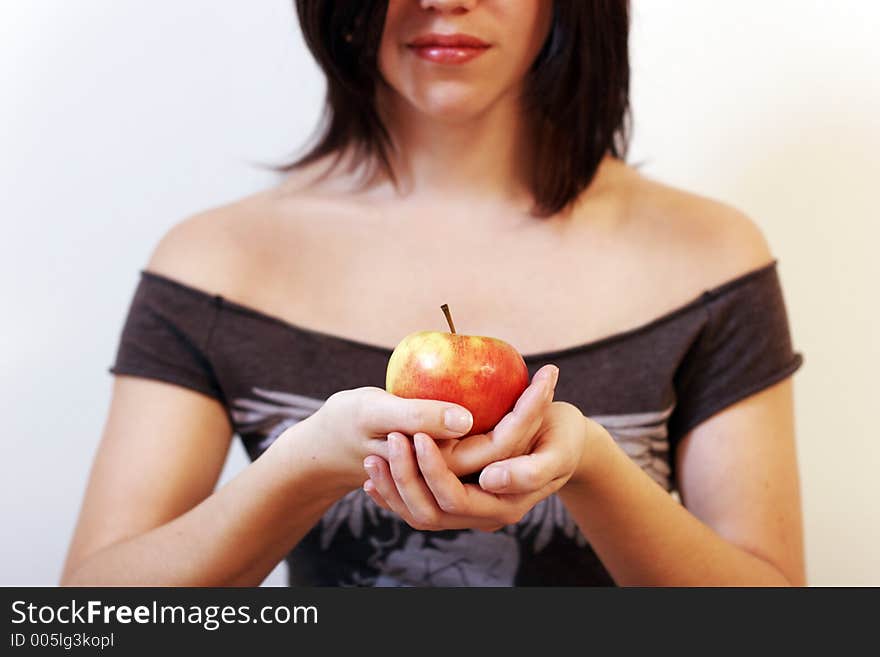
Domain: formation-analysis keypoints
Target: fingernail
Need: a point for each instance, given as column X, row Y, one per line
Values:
column 495, row 478
column 419, row 445
column 457, row 420
column 369, row 465
column 550, row 383
column 554, row 376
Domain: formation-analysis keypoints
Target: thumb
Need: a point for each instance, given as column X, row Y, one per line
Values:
column 527, row 473
column 383, row 412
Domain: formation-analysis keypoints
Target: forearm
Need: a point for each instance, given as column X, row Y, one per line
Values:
column 232, row 538
column 644, row 537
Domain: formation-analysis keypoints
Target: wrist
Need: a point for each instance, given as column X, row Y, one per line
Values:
column 595, row 446
column 308, row 466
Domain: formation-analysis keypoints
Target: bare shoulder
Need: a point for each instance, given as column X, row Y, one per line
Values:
column 695, row 238
column 227, row 248
column 235, row 248
column 204, row 249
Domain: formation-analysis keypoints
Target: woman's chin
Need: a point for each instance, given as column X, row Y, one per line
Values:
column 452, row 110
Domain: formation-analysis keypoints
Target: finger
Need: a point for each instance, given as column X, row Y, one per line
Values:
column 380, row 476
column 410, row 485
column 377, row 446
column 383, row 487
column 459, row 499
column 380, row 412
column 514, row 434
column 545, row 378
column 370, row 489
column 467, row 517
column 525, row 474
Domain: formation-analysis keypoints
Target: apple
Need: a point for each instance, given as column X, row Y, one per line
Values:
column 485, row 375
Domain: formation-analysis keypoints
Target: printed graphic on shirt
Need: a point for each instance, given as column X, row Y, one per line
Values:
column 271, row 413
column 406, row 557
column 645, row 439
column 469, row 559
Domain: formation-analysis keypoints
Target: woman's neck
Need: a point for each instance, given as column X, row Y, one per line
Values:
column 482, row 158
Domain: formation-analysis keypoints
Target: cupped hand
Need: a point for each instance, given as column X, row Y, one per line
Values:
column 514, row 434
column 416, row 483
column 354, row 423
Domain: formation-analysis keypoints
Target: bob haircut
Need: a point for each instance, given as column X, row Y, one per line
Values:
column 576, row 93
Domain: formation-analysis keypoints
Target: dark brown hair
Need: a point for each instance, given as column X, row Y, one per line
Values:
column 576, row 92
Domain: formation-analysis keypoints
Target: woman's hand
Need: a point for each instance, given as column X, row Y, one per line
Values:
column 514, row 434
column 354, row 423
column 415, row 482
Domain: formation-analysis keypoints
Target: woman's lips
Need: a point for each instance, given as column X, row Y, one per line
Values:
column 448, row 48
column 448, row 54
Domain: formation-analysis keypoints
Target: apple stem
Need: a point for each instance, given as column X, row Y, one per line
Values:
column 445, row 309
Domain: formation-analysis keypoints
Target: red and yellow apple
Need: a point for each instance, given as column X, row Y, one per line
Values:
column 485, row 375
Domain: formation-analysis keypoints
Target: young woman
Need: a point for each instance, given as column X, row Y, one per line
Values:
column 473, row 155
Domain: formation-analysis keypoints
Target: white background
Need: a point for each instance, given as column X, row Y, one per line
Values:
column 118, row 119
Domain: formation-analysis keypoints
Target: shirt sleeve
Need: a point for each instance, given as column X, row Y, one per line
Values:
column 744, row 347
column 166, row 334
